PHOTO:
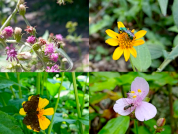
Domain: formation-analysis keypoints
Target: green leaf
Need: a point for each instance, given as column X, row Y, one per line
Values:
column 117, row 125
column 4, row 83
column 45, row 35
column 143, row 59
column 163, row 5
column 96, row 98
column 175, row 42
column 175, row 12
column 156, row 51
column 173, row 29
column 84, row 120
column 141, row 130
column 8, row 125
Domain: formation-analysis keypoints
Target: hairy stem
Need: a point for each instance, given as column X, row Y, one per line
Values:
column 7, row 76
column 77, row 101
column 18, row 80
column 26, row 21
column 59, row 91
column 10, row 17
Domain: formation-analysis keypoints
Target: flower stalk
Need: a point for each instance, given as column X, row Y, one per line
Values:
column 38, row 82
column 136, row 126
column 18, row 80
column 7, row 76
column 59, row 91
column 77, row 101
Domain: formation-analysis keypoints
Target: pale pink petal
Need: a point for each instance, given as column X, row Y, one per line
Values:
column 145, row 111
column 142, row 84
column 120, row 104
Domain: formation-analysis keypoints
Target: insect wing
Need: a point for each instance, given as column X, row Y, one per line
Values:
column 32, row 104
column 32, row 120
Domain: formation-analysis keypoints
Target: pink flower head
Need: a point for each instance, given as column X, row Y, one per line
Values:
column 7, row 32
column 49, row 49
column 54, row 68
column 54, row 57
column 11, row 53
column 31, row 39
column 30, row 29
column 143, row 110
column 59, row 37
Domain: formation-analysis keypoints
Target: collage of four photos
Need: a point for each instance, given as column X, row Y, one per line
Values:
column 88, row 67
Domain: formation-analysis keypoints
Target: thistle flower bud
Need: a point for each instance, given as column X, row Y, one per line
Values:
column 31, row 30
column 22, row 9
column 24, row 56
column 42, row 41
column 161, row 122
column 64, row 60
column 18, row 34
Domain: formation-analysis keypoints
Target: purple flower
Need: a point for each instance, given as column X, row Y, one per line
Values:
column 54, row 57
column 59, row 37
column 143, row 110
column 7, row 32
column 54, row 68
column 49, row 49
column 11, row 53
column 31, row 39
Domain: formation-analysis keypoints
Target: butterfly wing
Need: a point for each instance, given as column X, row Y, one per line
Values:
column 32, row 104
column 32, row 120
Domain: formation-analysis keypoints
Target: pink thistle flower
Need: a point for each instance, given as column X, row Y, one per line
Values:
column 59, row 37
column 54, row 57
column 49, row 49
column 31, row 39
column 7, row 32
column 11, row 53
column 143, row 110
column 54, row 68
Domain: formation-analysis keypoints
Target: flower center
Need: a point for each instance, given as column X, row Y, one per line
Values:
column 40, row 113
column 125, row 41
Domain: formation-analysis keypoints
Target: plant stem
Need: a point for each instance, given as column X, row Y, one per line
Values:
column 136, row 126
column 7, row 76
column 38, row 83
column 163, row 65
column 171, row 108
column 77, row 101
column 133, row 66
column 59, row 91
column 123, row 92
column 3, row 102
column 10, row 17
column 26, row 21
column 83, row 102
column 44, row 80
column 18, row 80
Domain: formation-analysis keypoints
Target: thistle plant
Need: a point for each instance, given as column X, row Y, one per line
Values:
column 41, row 54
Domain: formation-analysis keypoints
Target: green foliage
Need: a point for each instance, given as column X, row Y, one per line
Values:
column 111, row 127
column 8, row 124
column 65, row 119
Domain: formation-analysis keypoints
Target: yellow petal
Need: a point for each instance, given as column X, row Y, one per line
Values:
column 140, row 34
column 133, row 30
column 112, row 42
column 44, row 122
column 23, row 102
column 133, row 52
column 48, row 111
column 22, row 112
column 126, row 54
column 29, row 127
column 112, row 34
column 120, row 24
column 117, row 53
column 138, row 42
column 42, row 103
column 30, row 97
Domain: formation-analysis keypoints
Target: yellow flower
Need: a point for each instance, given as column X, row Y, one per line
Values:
column 125, row 42
column 43, row 121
